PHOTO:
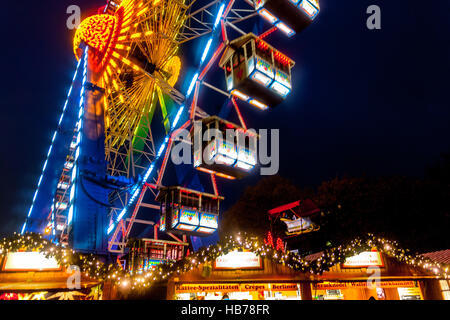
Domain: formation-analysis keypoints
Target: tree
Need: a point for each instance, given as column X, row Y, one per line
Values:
column 415, row 212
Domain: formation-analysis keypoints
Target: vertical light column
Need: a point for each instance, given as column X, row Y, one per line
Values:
column 49, row 152
column 73, row 181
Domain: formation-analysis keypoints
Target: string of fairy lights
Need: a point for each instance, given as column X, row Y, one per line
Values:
column 93, row 267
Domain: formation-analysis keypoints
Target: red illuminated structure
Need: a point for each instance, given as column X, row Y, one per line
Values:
column 100, row 33
column 297, row 216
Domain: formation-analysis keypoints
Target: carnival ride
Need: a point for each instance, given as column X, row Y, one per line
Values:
column 297, row 216
column 146, row 72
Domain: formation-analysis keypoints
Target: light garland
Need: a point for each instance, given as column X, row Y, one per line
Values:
column 91, row 266
column 329, row 258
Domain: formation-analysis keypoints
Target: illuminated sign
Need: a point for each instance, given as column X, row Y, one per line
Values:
column 209, row 221
column 299, row 224
column 225, row 287
column 235, row 287
column 238, row 260
column 186, row 220
column 410, row 293
column 283, row 79
column 265, row 67
column 361, row 284
column 194, row 221
column 189, row 217
column 364, row 260
column 29, row 261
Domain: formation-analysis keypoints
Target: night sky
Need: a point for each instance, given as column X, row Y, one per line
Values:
column 365, row 102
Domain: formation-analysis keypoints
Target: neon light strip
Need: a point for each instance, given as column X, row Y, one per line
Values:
column 51, row 148
column 205, row 53
column 213, row 179
column 191, row 86
column 163, row 146
column 194, row 101
column 210, row 63
column 219, row 15
column 166, row 157
column 78, row 146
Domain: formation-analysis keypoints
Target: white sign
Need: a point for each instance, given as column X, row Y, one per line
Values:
column 364, row 259
column 410, row 293
column 238, row 260
column 29, row 261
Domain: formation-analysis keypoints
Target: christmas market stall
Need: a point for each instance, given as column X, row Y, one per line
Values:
column 31, row 268
column 369, row 268
column 374, row 275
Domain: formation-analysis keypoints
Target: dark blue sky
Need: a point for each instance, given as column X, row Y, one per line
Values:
column 365, row 102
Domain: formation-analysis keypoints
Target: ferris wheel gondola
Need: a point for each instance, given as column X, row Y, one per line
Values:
column 256, row 72
column 226, row 149
column 289, row 16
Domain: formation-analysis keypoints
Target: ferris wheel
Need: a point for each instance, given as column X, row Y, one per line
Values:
column 147, row 70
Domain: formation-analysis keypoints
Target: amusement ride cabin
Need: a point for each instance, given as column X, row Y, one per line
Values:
column 229, row 149
column 289, row 16
column 256, row 72
column 186, row 211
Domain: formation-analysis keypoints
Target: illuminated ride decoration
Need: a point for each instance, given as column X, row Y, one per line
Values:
column 289, row 16
column 100, row 33
column 256, row 72
column 298, row 217
column 229, row 157
column 188, row 211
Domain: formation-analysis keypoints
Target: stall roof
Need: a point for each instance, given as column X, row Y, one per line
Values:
column 442, row 256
